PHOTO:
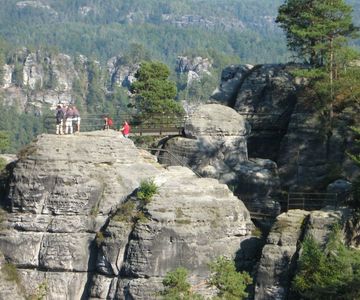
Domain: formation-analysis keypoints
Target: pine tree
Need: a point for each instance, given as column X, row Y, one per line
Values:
column 318, row 31
column 154, row 93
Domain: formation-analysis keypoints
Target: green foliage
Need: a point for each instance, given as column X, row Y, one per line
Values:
column 332, row 272
column 125, row 212
column 154, row 92
column 40, row 292
column 115, row 24
column 99, row 238
column 314, row 28
column 231, row 285
column 11, row 273
column 177, row 287
column 4, row 141
column 318, row 31
column 146, row 190
column 18, row 129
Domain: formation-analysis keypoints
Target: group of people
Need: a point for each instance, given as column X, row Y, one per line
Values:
column 68, row 121
column 66, row 117
column 108, row 123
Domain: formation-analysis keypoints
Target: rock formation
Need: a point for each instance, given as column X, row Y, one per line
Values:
column 215, row 145
column 287, row 127
column 277, row 265
column 48, row 79
column 66, row 228
column 195, row 67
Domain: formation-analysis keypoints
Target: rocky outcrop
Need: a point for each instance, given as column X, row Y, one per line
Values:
column 287, row 127
column 193, row 230
column 65, row 227
column 48, row 79
column 232, row 78
column 121, row 74
column 216, row 146
column 195, row 67
column 201, row 21
column 278, row 262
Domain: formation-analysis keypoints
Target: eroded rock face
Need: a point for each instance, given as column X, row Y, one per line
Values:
column 121, row 74
column 186, row 227
column 48, row 80
column 195, row 67
column 288, row 128
column 232, row 78
column 279, row 256
column 61, row 230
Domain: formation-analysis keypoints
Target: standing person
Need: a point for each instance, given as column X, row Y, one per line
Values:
column 106, row 123
column 69, row 120
column 59, row 120
column 125, row 130
column 76, row 119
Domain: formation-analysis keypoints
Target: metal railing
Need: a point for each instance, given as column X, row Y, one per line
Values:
column 311, row 201
column 167, row 158
column 156, row 124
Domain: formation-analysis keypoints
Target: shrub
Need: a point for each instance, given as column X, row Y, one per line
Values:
column 125, row 212
column 231, row 285
column 177, row 287
column 329, row 273
column 146, row 190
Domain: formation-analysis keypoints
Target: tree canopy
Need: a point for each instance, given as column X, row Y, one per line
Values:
column 154, row 93
column 319, row 31
column 316, row 28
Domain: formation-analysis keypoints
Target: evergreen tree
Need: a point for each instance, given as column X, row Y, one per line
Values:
column 332, row 272
column 318, row 31
column 316, row 28
column 231, row 285
column 177, row 287
column 154, row 93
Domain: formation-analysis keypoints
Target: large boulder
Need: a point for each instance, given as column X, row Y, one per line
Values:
column 215, row 120
column 216, row 146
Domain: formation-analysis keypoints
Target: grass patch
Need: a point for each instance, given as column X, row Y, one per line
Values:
column 125, row 212
column 257, row 232
column 11, row 273
column 40, row 292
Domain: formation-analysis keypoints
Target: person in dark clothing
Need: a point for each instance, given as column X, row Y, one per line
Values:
column 59, row 120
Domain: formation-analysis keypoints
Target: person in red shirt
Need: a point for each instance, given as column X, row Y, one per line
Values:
column 125, row 130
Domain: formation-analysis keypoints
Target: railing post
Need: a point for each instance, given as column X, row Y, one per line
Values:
column 288, row 202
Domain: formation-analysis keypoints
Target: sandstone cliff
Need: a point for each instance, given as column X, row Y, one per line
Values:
column 66, row 228
column 289, row 126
